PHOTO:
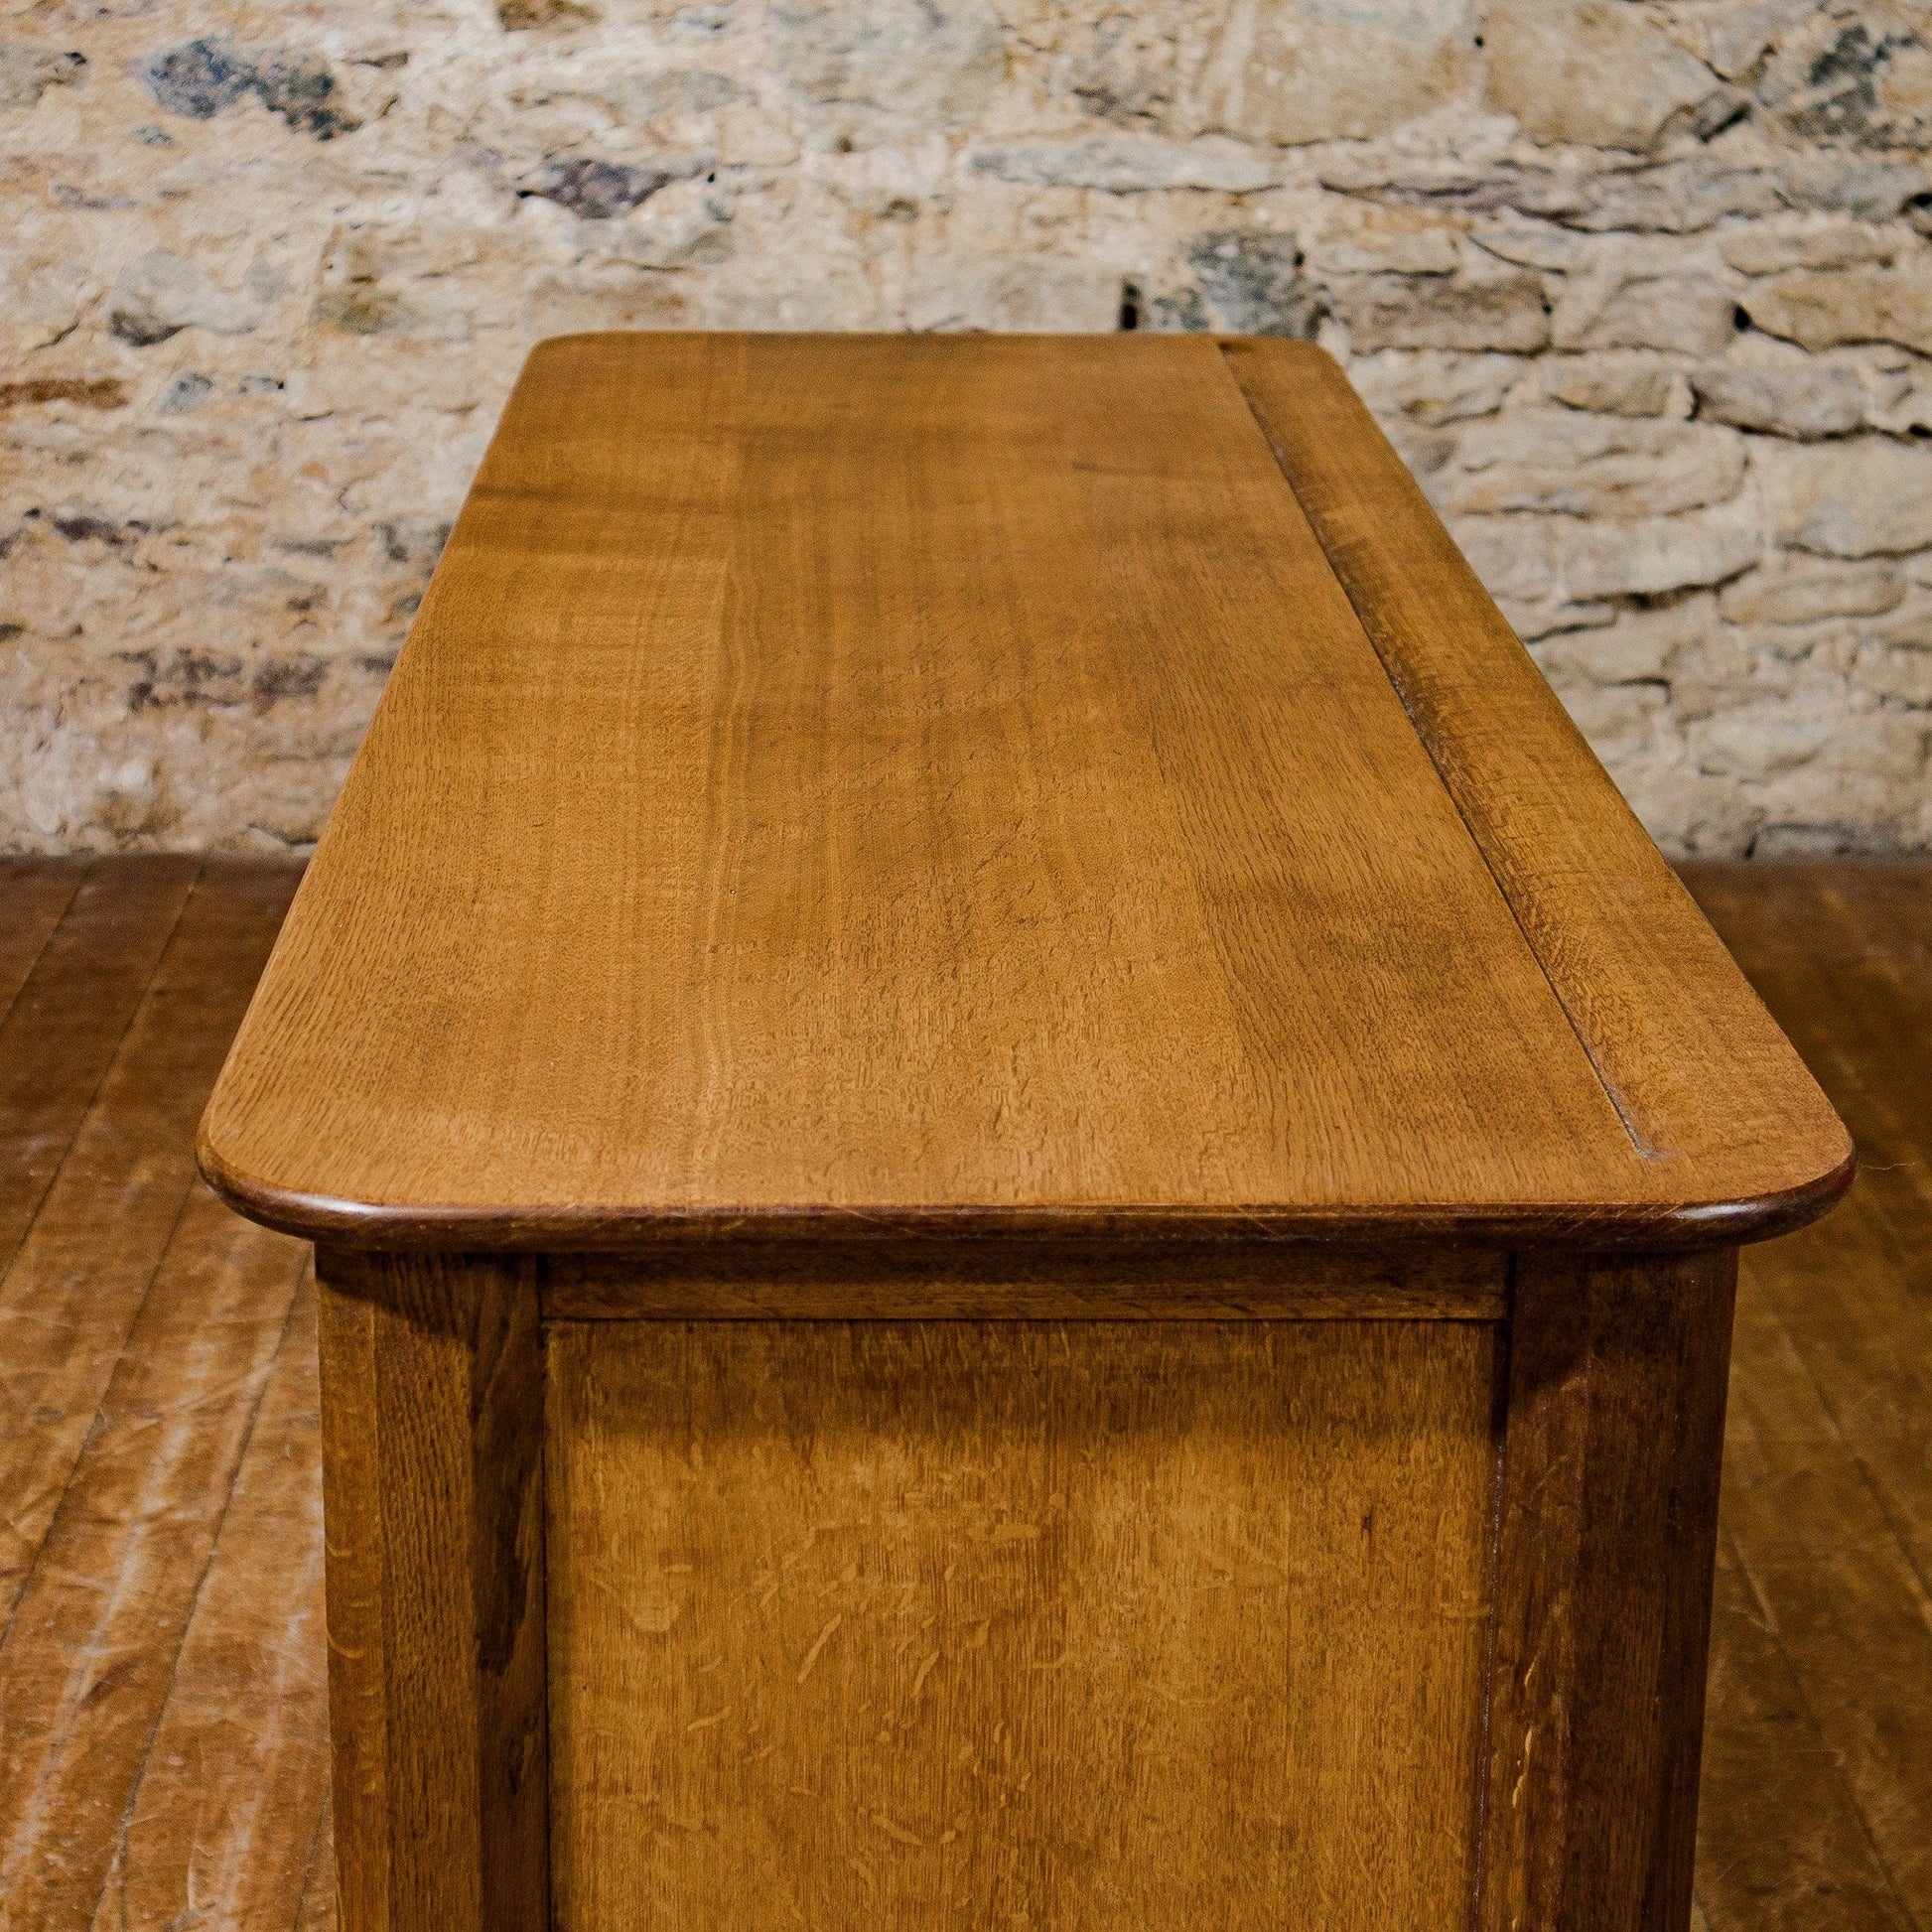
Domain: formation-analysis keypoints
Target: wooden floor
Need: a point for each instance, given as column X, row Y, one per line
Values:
column 163, row 1748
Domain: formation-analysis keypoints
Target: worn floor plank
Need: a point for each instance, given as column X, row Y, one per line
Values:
column 34, row 897
column 224, row 1819
column 63, row 1026
column 137, row 1321
column 1785, row 1850
column 91, row 1654
column 119, row 1183
column 157, row 1422
column 1828, row 1494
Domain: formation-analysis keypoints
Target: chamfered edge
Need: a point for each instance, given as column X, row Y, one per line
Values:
column 388, row 1226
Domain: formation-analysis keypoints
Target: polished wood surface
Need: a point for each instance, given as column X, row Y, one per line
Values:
column 845, row 784
column 1606, row 1515
column 1700, row 1075
column 209, row 1808
column 1818, row 1787
column 968, row 1624
column 432, row 1407
column 164, row 1755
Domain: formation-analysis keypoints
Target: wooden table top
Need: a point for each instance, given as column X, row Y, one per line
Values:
column 1053, row 786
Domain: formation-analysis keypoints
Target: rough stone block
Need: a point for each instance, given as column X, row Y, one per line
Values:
column 1593, row 465
column 1334, row 70
column 1804, row 402
column 1596, row 72
column 1866, row 496
column 1818, row 308
column 1503, row 312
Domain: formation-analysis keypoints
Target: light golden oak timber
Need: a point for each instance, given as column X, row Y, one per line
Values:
column 950, row 1626
column 845, row 784
column 1815, row 1750
column 1697, row 1069
column 1606, row 1529
column 432, row 1401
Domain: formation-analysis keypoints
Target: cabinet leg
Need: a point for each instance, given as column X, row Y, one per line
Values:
column 1606, row 1534
column 432, row 1392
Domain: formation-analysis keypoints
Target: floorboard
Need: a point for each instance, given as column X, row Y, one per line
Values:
column 1827, row 1472
column 163, row 1727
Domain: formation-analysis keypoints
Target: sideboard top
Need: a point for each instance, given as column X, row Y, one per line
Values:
column 1063, row 787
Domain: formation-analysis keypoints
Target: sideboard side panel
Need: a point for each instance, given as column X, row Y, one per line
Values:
column 1608, row 1530
column 946, row 1625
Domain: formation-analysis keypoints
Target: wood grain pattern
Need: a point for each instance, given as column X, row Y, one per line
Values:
column 1826, row 1492
column 85, row 1669
column 34, row 894
column 66, row 1023
column 1704, row 1080
column 883, row 1281
column 111, row 1082
column 1839, row 951
column 1781, row 1843
column 1851, row 1607
column 971, row 1625
column 220, row 1830
column 432, row 1454
column 1608, row 1523
column 1843, row 952
column 894, row 784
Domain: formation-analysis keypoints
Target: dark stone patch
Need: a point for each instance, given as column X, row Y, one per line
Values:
column 140, row 327
column 154, row 137
column 65, row 195
column 597, row 190
column 202, row 77
column 82, row 526
column 301, row 89
column 1831, row 91
column 289, row 677
column 1182, row 314
column 9, row 632
column 416, row 540
column 198, row 79
column 188, row 389
column 1844, row 83
column 186, row 678
column 1254, row 284
column 90, row 392
column 522, row 16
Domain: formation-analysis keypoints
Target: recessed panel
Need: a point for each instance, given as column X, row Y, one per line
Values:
column 1016, row 1624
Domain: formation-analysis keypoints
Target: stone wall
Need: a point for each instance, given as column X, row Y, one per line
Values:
column 1641, row 288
